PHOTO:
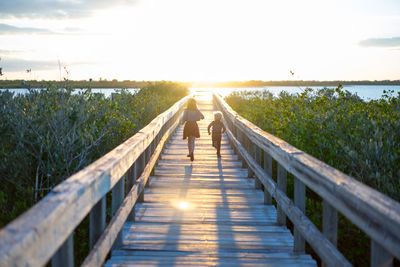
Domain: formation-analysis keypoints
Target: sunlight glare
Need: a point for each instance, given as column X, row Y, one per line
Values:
column 183, row 205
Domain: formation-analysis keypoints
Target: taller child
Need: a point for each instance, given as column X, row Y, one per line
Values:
column 191, row 129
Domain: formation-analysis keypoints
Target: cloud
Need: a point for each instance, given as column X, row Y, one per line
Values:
column 17, row 64
column 9, row 29
column 9, row 52
column 381, row 42
column 56, row 8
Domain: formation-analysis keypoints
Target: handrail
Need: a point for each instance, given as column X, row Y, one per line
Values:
column 34, row 237
column 373, row 212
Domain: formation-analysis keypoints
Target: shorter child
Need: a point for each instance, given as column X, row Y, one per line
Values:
column 218, row 128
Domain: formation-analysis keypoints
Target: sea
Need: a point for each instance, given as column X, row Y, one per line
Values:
column 366, row 92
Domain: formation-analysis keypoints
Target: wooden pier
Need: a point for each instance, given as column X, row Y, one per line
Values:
column 204, row 213
column 231, row 211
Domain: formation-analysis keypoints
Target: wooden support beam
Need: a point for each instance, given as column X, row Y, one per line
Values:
column 140, row 166
column 116, row 200
column 257, row 154
column 282, row 177
column 250, row 150
column 132, row 178
column 64, row 256
column 97, row 221
column 329, row 222
column 380, row 257
column 268, row 170
column 300, row 202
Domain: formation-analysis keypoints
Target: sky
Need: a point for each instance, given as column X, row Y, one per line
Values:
column 200, row 40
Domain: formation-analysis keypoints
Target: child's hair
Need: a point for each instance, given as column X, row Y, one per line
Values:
column 191, row 104
column 217, row 115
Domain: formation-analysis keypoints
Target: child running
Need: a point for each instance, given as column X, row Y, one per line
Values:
column 218, row 128
column 191, row 129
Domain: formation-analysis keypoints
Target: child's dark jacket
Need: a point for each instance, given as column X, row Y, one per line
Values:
column 218, row 128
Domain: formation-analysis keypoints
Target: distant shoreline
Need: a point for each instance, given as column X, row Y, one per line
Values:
column 139, row 84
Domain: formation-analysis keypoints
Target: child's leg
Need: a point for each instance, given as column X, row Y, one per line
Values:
column 191, row 144
column 218, row 146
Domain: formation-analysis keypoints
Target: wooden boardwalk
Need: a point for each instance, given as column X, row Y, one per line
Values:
column 205, row 212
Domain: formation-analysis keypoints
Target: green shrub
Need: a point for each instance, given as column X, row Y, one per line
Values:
column 47, row 135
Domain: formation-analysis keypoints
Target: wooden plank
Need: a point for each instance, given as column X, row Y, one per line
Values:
column 376, row 214
column 211, row 254
column 36, row 235
column 212, row 229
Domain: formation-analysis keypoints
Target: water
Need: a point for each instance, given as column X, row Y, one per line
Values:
column 106, row 91
column 366, row 92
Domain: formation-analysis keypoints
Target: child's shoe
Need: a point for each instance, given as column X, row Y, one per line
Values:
column 191, row 157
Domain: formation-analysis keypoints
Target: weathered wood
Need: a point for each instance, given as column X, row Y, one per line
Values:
column 134, row 176
column 380, row 257
column 116, row 201
column 250, row 149
column 321, row 245
column 140, row 165
column 373, row 212
column 329, row 222
column 103, row 245
column 268, row 170
column 97, row 221
column 257, row 154
column 282, row 177
column 300, row 202
column 64, row 257
column 71, row 201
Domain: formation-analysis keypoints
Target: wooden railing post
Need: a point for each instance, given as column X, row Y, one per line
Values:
column 97, row 221
column 380, row 256
column 132, row 176
column 116, row 201
column 64, row 256
column 241, row 140
column 282, row 177
column 257, row 154
column 140, row 167
column 250, row 150
column 300, row 202
column 268, row 170
column 148, row 153
column 329, row 224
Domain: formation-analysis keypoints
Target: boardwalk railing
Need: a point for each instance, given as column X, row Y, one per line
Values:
column 374, row 213
column 46, row 230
